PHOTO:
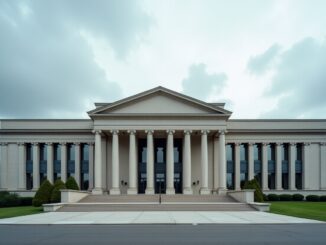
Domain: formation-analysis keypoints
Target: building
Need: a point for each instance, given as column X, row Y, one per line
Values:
column 160, row 141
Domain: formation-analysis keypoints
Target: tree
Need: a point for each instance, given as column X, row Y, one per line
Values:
column 56, row 194
column 72, row 184
column 43, row 194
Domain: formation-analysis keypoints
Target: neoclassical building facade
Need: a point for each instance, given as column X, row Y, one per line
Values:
column 161, row 141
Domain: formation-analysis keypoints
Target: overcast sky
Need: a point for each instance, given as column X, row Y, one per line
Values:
column 265, row 59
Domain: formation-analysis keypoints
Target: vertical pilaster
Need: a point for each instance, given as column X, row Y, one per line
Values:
column 98, row 164
column 323, row 165
column 77, row 163
column 64, row 161
column 278, row 166
column 132, row 163
column 292, row 156
column 49, row 167
column 204, row 163
column 4, row 166
column 150, row 163
column 305, row 165
column 251, row 173
column 22, row 166
column 222, row 164
column 36, row 166
column 216, row 162
column 115, row 190
column 237, row 166
column 265, row 167
column 187, row 163
column 170, row 163
column 91, row 165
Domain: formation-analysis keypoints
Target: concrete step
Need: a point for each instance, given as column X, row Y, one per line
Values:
column 98, row 207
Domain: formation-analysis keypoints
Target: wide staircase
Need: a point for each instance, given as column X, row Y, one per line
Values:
column 97, row 203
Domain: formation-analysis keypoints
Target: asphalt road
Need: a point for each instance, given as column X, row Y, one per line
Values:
column 163, row 234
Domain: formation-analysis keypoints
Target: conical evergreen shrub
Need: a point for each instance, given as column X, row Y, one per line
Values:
column 253, row 184
column 43, row 194
column 56, row 194
column 72, row 184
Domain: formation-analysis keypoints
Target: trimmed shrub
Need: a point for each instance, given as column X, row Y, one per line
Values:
column 72, row 184
column 297, row 197
column 26, row 201
column 322, row 198
column 56, row 194
column 10, row 200
column 4, row 193
column 43, row 194
column 265, row 197
column 273, row 197
column 312, row 198
column 253, row 184
column 285, row 197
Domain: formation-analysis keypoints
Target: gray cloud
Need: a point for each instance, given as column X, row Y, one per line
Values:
column 260, row 63
column 301, row 78
column 200, row 84
column 47, row 67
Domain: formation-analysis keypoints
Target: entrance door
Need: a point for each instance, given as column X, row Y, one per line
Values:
column 160, row 165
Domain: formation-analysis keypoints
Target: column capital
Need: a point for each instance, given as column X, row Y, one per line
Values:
column 222, row 131
column 115, row 131
column 149, row 131
column 20, row 143
column 170, row 131
column 204, row 131
column 97, row 131
column 49, row 143
column 132, row 131
column 278, row 143
column 35, row 143
column 293, row 143
column 265, row 143
column 4, row 143
column 76, row 143
column 306, row 143
column 90, row 143
column 187, row 132
column 251, row 143
column 237, row 143
column 63, row 143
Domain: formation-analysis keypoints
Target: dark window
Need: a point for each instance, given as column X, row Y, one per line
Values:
column 84, row 167
column 285, row 166
column 71, row 161
column 243, row 164
column 29, row 166
column 43, row 162
column 230, row 166
column 271, row 166
column 298, row 168
column 258, row 163
column 57, row 162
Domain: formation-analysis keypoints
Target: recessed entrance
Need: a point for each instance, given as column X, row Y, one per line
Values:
column 159, row 165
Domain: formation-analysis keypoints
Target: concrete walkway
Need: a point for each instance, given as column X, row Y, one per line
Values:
column 162, row 217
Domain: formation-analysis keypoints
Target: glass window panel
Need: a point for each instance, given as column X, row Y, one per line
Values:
column 176, row 155
column 160, row 155
column 85, row 153
column 243, row 152
column 229, row 152
column 144, row 155
column 299, row 152
column 71, row 152
column 257, row 152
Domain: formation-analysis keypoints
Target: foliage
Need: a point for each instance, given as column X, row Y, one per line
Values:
column 56, row 194
column 26, row 201
column 253, row 184
column 322, row 198
column 9, row 200
column 285, row 197
column 43, row 194
column 297, row 197
column 71, row 184
column 312, row 198
column 273, row 197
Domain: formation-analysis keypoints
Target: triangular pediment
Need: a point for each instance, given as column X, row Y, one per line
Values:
column 159, row 101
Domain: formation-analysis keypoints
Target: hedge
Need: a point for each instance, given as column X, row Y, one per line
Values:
column 273, row 197
column 297, row 197
column 43, row 194
column 322, row 198
column 312, row 198
column 286, row 197
column 9, row 200
column 56, row 194
column 72, row 184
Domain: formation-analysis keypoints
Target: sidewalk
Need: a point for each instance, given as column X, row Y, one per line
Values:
column 162, row 217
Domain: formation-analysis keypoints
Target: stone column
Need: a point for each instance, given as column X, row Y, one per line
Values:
column 64, row 161
column 251, row 163
column 50, row 162
column 292, row 156
column 187, row 190
column 278, row 166
column 170, row 163
column 323, row 165
column 91, row 165
column 77, row 163
column 4, row 166
column 150, row 163
column 222, row 188
column 22, row 166
column 36, row 166
column 237, row 166
column 216, row 162
column 204, row 164
column 98, row 190
column 265, row 168
column 305, row 165
column 115, row 190
column 132, row 190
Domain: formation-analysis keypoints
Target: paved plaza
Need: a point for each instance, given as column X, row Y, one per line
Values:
column 162, row 217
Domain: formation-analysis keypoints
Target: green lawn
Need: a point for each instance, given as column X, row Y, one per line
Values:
column 309, row 210
column 19, row 211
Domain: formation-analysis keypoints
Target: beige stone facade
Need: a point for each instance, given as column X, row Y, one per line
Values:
column 160, row 141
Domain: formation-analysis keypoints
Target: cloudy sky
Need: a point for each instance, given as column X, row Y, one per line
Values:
column 265, row 59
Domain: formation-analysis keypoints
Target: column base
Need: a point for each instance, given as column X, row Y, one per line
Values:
column 115, row 191
column 132, row 191
column 149, row 191
column 204, row 191
column 222, row 191
column 279, row 189
column 187, row 191
column 97, row 191
column 170, row 191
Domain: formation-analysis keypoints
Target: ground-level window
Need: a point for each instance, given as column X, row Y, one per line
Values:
column 258, row 163
column 243, row 164
column 230, row 166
